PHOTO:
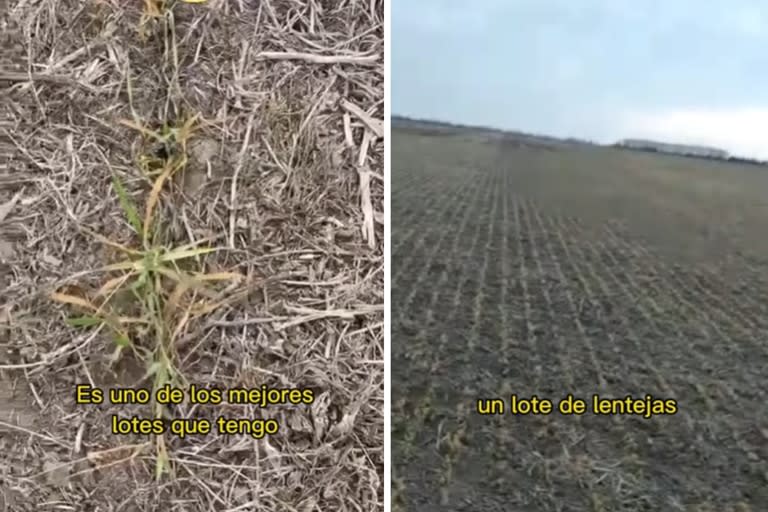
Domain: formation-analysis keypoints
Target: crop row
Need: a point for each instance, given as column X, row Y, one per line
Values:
column 493, row 295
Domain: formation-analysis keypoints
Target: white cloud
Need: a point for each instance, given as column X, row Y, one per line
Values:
column 742, row 132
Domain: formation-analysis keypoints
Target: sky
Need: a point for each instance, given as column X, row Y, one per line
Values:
column 679, row 71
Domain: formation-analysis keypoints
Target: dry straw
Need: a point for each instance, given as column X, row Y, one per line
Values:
column 200, row 183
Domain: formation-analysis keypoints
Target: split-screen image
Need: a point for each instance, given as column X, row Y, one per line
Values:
column 383, row 255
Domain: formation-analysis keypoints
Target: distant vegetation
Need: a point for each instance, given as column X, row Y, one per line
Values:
column 727, row 158
column 751, row 161
column 440, row 126
column 433, row 127
column 444, row 127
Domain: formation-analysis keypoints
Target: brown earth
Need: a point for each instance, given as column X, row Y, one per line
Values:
column 584, row 271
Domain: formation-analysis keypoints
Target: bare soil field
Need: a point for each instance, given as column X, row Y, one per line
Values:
column 577, row 271
column 191, row 194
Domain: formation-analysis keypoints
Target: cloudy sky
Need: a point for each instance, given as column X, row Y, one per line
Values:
column 687, row 71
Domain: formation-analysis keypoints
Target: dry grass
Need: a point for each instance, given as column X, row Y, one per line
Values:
column 283, row 174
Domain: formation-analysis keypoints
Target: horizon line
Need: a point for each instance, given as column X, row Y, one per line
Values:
column 615, row 143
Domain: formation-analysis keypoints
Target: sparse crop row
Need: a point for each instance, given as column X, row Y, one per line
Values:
column 721, row 391
column 428, row 275
column 429, row 246
column 684, row 341
column 429, row 209
column 412, row 207
column 472, row 361
column 451, row 308
column 496, row 294
column 705, row 290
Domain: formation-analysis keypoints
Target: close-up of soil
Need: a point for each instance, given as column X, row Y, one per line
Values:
column 191, row 194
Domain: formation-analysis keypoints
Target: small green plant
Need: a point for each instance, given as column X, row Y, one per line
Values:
column 149, row 299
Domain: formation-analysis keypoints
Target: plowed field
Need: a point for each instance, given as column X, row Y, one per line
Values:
column 577, row 271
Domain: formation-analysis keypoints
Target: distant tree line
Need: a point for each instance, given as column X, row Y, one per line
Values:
column 514, row 136
column 445, row 127
column 730, row 158
column 750, row 161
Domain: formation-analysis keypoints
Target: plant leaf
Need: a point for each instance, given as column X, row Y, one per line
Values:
column 112, row 284
column 175, row 297
column 135, row 265
column 217, row 276
column 181, row 253
column 141, row 129
column 170, row 274
column 131, row 214
column 131, row 320
column 106, row 241
column 194, row 244
column 66, row 298
column 162, row 462
column 84, row 321
column 189, row 126
column 203, row 308
column 154, row 195
column 122, row 341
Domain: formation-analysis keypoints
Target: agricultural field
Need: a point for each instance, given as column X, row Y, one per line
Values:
column 576, row 270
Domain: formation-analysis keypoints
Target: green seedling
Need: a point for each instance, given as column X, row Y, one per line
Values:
column 148, row 301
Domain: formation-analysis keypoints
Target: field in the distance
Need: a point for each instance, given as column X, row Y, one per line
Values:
column 532, row 270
